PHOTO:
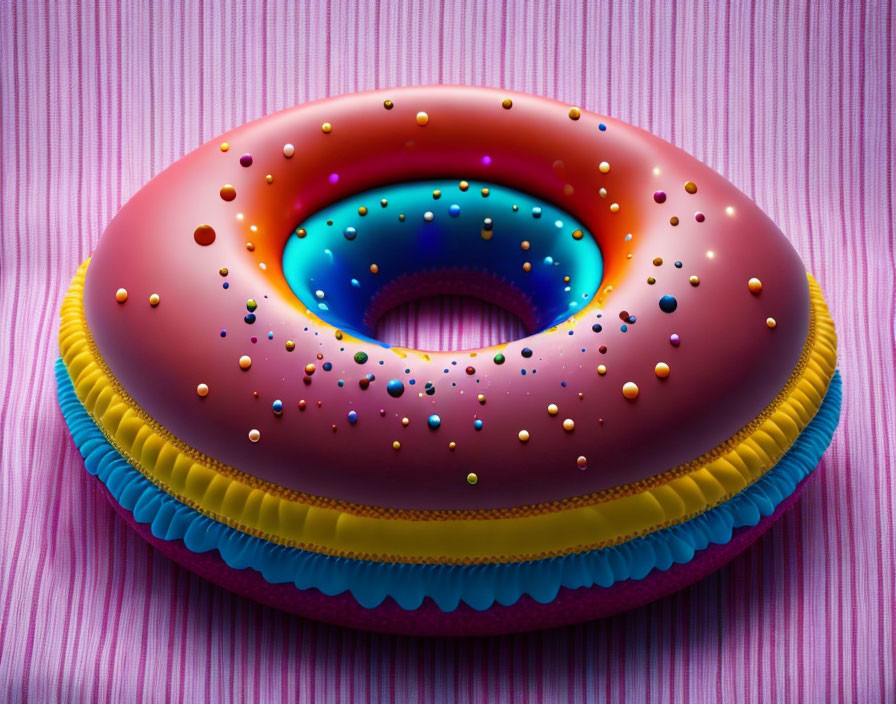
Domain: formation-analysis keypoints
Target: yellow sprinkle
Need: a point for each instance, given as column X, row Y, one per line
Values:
column 396, row 445
column 507, row 103
column 154, row 300
column 577, row 234
column 472, row 478
column 202, row 390
column 245, row 361
column 225, row 146
column 121, row 295
column 755, row 286
column 269, row 178
column 695, row 280
column 614, row 207
column 569, row 425
column 771, row 322
column 574, row 113
column 362, row 211
column 436, row 194
column 601, row 369
column 630, row 390
column 523, row 436
column 463, row 185
column 452, row 445
column 326, row 128
column 604, row 167
column 690, row 187
column 661, row 370
column 553, row 410
column 481, row 398
column 422, row 118
column 290, row 345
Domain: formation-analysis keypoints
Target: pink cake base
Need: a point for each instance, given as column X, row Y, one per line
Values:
column 570, row 606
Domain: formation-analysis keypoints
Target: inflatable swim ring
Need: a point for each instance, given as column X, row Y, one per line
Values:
column 222, row 374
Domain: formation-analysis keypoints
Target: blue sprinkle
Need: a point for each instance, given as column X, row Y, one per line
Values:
column 395, row 388
column 270, row 336
column 412, row 381
column 356, row 283
column 250, row 318
column 226, row 285
column 678, row 265
column 350, row 233
column 563, row 384
column 523, row 372
column 668, row 304
column 277, row 407
column 454, row 210
column 328, row 366
column 477, row 424
column 597, row 327
column 341, row 383
column 526, row 352
column 623, row 327
column 602, row 127
column 223, row 333
column 352, row 417
column 434, row 421
column 548, row 260
column 536, row 212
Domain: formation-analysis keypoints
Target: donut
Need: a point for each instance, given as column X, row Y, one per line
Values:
column 667, row 392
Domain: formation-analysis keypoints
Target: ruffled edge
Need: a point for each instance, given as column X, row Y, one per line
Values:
column 479, row 585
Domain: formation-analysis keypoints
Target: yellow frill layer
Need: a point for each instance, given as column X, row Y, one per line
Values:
column 465, row 537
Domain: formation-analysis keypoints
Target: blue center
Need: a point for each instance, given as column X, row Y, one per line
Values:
column 377, row 249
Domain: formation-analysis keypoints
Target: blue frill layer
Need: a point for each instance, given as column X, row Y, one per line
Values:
column 480, row 586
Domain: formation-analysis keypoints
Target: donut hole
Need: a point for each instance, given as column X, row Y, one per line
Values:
column 472, row 254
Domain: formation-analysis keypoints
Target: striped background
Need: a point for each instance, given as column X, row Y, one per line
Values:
column 794, row 102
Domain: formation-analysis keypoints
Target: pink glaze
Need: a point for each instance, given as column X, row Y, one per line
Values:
column 570, row 605
column 727, row 369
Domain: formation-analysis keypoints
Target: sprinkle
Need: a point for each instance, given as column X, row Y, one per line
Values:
column 673, row 221
column 436, row 194
column 309, row 368
column 507, row 103
column 729, row 210
column 630, row 390
column 526, row 352
column 472, row 479
column 228, row 192
column 574, row 113
column 254, row 435
column 527, row 266
column 452, row 445
column 225, row 146
column 454, row 210
column 251, row 305
column 524, row 245
column 470, row 371
column 755, row 286
column 326, row 128
column 771, row 322
column 204, row 234
column 651, row 280
column 245, row 362
column 690, row 187
column 360, row 357
column 536, row 212
column 477, row 424
column 463, row 185
column 674, row 339
column 668, row 304
column 601, row 369
column 614, row 207
column 428, row 216
column 388, row 104
column 269, row 178
column 433, row 421
column 333, row 178
column 602, row 127
column 569, row 425
column 154, row 300
column 374, row 269
column 352, row 417
column 661, row 370
column 405, row 421
column 523, row 435
column 223, row 271
column 301, row 233
column 121, row 295
column 553, row 410
column 395, row 388
column 658, row 261
column 695, row 280
column 277, row 407
column 699, row 217
column 660, row 196
column 485, row 192
column 602, row 193
column 202, row 390
column 577, row 234
column 422, row 118
column 362, row 211
column 604, row 167
column 582, row 462
column 290, row 345
column 246, row 160
column 396, row 445
column 350, row 233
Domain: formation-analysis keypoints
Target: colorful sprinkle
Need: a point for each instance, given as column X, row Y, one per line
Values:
column 499, row 358
column 668, row 304
column 277, row 407
column 472, row 479
column 254, row 435
column 690, row 187
column 121, row 295
column 154, row 300
column 204, row 234
column 360, row 357
column 771, row 322
column 246, row 160
column 604, row 167
column 202, row 390
column 422, row 118
column 553, row 410
column 660, row 196
column 523, row 435
column 228, row 192
column 352, row 417
column 245, row 362
column 574, row 113
column 630, row 390
column 569, row 425
column 661, row 370
column 395, row 388
column 288, row 150
column 755, row 286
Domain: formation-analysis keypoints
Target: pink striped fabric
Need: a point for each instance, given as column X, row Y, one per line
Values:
column 794, row 102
